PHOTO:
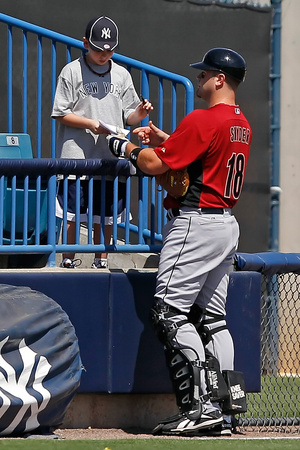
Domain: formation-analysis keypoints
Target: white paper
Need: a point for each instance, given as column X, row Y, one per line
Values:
column 113, row 129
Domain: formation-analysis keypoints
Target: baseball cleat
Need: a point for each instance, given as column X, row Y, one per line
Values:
column 180, row 424
column 220, row 430
column 227, row 428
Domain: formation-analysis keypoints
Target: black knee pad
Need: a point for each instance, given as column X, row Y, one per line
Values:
column 165, row 328
column 209, row 326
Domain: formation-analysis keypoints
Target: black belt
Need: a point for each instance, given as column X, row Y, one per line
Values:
column 173, row 212
column 212, row 210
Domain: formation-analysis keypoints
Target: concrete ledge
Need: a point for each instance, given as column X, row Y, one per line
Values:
column 118, row 410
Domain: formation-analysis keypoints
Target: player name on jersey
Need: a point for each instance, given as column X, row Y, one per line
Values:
column 239, row 134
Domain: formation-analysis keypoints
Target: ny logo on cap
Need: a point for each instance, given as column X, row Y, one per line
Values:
column 106, row 33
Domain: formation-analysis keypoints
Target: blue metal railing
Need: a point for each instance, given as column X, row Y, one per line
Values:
column 69, row 44
column 36, row 87
column 41, row 236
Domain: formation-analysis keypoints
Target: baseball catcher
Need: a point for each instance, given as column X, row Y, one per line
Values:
column 199, row 242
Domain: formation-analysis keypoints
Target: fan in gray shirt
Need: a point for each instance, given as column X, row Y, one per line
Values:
column 89, row 89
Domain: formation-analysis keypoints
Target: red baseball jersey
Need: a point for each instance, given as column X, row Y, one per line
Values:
column 214, row 146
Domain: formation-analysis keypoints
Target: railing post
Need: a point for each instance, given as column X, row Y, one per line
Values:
column 52, row 220
column 39, row 99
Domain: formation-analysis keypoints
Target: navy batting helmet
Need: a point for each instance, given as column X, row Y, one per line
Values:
column 224, row 60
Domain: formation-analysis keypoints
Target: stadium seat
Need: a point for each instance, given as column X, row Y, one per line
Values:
column 18, row 146
column 15, row 146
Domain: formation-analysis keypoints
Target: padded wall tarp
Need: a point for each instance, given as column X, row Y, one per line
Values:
column 40, row 364
column 111, row 316
column 171, row 35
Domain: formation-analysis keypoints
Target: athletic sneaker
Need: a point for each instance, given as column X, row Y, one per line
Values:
column 100, row 264
column 180, row 424
column 70, row 263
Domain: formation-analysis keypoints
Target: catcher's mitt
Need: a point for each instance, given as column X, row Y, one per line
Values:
column 175, row 182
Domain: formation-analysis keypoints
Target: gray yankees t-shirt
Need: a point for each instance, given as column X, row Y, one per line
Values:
column 111, row 98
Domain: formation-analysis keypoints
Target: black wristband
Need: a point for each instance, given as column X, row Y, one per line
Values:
column 134, row 156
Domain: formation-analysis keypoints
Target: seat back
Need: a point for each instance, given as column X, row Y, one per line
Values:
column 18, row 146
column 15, row 145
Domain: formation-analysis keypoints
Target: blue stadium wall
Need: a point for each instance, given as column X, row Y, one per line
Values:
column 110, row 313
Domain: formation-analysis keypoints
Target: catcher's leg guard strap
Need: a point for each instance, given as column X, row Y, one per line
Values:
column 185, row 368
column 166, row 320
column 210, row 325
column 215, row 381
column 186, row 375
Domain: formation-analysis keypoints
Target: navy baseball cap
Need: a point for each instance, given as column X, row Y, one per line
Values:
column 102, row 34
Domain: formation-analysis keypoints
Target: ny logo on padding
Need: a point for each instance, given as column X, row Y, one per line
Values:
column 106, row 33
column 35, row 369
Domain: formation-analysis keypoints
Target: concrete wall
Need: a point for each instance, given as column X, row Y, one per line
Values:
column 289, row 239
column 289, row 235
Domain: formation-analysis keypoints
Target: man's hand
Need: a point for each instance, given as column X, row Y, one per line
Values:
column 151, row 135
column 117, row 145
